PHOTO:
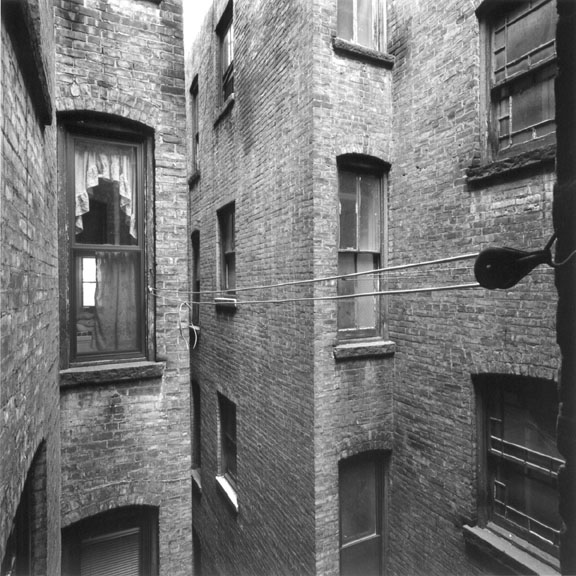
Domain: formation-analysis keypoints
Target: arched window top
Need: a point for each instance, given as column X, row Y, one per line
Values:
column 359, row 161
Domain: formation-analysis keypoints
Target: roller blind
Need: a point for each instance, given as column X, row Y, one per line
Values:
column 114, row 554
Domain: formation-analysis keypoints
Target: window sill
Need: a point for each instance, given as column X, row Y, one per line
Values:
column 225, row 110
column 375, row 348
column 359, row 52
column 196, row 480
column 506, row 167
column 225, row 304
column 512, row 552
column 107, row 373
column 228, row 491
column 193, row 179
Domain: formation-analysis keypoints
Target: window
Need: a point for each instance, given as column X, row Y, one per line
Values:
column 522, row 62
column 195, row 125
column 361, row 234
column 226, row 221
column 225, row 31
column 106, row 248
column 122, row 541
column 196, row 426
column 522, row 461
column 196, row 278
column 227, row 440
column 362, row 494
column 362, row 22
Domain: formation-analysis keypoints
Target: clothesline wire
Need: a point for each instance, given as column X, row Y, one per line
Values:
column 316, row 298
column 325, row 278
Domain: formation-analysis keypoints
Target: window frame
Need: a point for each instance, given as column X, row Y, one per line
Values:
column 196, row 278
column 225, row 33
column 360, row 165
column 227, row 248
column 228, row 461
column 377, row 25
column 143, row 518
column 117, row 131
column 488, row 387
column 380, row 460
column 195, row 124
column 497, row 92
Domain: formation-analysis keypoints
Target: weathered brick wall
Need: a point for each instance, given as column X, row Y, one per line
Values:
column 130, row 442
column 352, row 111
column 260, row 356
column 29, row 278
column 443, row 338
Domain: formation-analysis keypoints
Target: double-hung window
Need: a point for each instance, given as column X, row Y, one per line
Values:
column 226, row 221
column 105, row 192
column 521, row 457
column 362, row 22
column 227, row 477
column 362, row 495
column 361, row 233
column 195, row 125
column 521, row 55
column 225, row 32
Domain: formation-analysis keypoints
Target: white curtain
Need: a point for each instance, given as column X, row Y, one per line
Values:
column 109, row 163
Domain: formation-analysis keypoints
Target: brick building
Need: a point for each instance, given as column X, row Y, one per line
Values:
column 95, row 372
column 410, row 432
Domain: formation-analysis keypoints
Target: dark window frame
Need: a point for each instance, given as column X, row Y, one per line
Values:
column 380, row 460
column 228, row 465
column 196, row 280
column 360, row 165
column 227, row 238
column 109, row 129
column 195, row 123
column 506, row 81
column 143, row 518
column 225, row 33
column 196, row 426
column 499, row 458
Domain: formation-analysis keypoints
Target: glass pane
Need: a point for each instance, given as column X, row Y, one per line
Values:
column 361, row 559
column 533, row 105
column 230, row 271
column 364, row 23
column 88, row 275
column 105, row 198
column 531, row 31
column 348, row 218
column 358, row 500
column 346, row 19
column 346, row 265
column 369, row 213
column 366, row 305
column 110, row 322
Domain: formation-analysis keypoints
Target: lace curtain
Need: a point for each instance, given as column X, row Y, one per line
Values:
column 110, row 163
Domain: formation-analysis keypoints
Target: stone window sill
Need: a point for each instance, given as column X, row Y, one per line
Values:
column 197, row 480
column 352, row 50
column 225, row 110
column 228, row 491
column 108, row 373
column 506, row 167
column 511, row 551
column 374, row 348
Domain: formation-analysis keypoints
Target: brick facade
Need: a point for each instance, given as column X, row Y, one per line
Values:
column 29, row 433
column 302, row 99
column 126, row 428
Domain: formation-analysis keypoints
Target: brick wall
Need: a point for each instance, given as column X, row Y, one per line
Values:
column 259, row 356
column 29, row 277
column 128, row 441
column 444, row 338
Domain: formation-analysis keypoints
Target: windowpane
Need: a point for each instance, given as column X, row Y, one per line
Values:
column 366, row 305
column 228, row 438
column 361, row 559
column 111, row 323
column 369, row 213
column 530, row 31
column 358, row 500
column 533, row 105
column 226, row 221
column 348, row 215
column 346, row 19
column 105, row 198
column 346, row 307
column 364, row 22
